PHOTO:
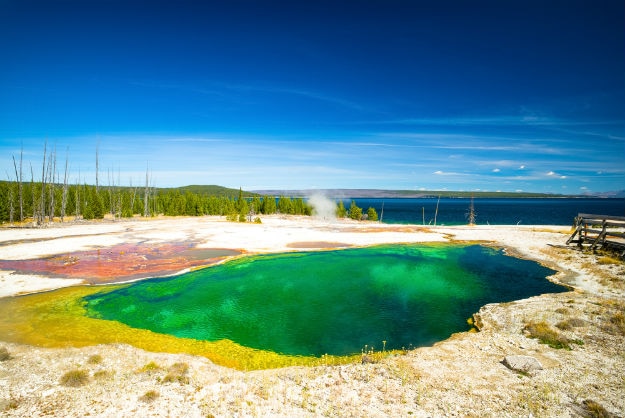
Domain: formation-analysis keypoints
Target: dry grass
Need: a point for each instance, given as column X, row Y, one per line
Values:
column 4, row 354
column 608, row 260
column 11, row 403
column 102, row 374
column 571, row 323
column 150, row 368
column 405, row 371
column 94, row 359
column 75, row 378
column 595, row 410
column 149, row 396
column 547, row 335
column 614, row 312
column 177, row 373
column 617, row 323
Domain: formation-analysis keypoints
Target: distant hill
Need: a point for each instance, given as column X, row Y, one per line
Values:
column 214, row 190
column 615, row 194
column 380, row 193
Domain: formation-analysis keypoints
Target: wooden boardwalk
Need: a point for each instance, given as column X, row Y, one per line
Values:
column 599, row 231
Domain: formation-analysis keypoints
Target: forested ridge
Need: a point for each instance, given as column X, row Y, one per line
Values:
column 47, row 202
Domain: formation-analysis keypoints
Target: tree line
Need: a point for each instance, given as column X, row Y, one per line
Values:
column 39, row 203
column 47, row 196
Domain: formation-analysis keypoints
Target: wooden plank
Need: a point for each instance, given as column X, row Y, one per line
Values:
column 615, row 224
column 599, row 240
column 592, row 231
column 577, row 230
column 601, row 217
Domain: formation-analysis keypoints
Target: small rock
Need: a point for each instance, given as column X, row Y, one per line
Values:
column 522, row 363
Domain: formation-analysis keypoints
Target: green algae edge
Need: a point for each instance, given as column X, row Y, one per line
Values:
column 59, row 319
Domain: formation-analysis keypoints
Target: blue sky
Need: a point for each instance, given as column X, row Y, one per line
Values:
column 450, row 95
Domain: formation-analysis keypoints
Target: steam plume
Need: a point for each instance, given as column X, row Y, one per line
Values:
column 323, row 207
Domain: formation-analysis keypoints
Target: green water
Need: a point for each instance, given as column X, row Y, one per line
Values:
column 334, row 302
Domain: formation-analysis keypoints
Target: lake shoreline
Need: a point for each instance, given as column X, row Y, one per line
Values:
column 459, row 376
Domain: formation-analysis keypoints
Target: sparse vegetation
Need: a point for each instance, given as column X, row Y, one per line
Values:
column 102, row 374
column 405, row 371
column 571, row 323
column 4, row 354
column 177, row 373
column 608, row 260
column 150, row 368
column 595, row 410
column 613, row 313
column 149, row 396
column 547, row 335
column 75, row 378
column 94, row 359
column 616, row 324
column 12, row 403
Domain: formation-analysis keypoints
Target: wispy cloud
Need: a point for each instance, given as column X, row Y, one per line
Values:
column 294, row 91
column 503, row 120
column 448, row 173
column 556, row 175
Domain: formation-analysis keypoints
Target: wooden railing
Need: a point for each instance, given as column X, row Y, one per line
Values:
column 599, row 231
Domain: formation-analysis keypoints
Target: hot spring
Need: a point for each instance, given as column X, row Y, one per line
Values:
column 329, row 302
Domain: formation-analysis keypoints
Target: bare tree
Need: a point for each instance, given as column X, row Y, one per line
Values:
column 11, row 207
column 97, row 165
column 471, row 215
column 32, row 189
column 42, row 207
column 155, row 197
column 114, row 192
column 18, row 176
column 132, row 201
column 146, row 194
column 64, row 198
column 51, row 183
column 118, row 209
column 110, row 193
column 77, row 196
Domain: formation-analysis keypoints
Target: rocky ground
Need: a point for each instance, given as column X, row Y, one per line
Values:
column 577, row 369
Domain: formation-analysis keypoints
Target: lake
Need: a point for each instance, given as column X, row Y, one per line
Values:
column 493, row 211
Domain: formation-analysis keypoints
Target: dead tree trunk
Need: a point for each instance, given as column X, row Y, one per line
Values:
column 51, row 184
column 119, row 192
column 42, row 206
column 97, row 166
column 11, row 207
column 132, row 201
column 32, row 189
column 77, row 197
column 18, row 176
column 64, row 198
column 146, row 195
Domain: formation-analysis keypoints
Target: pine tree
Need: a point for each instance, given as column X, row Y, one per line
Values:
column 372, row 215
column 341, row 212
column 269, row 205
column 355, row 212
